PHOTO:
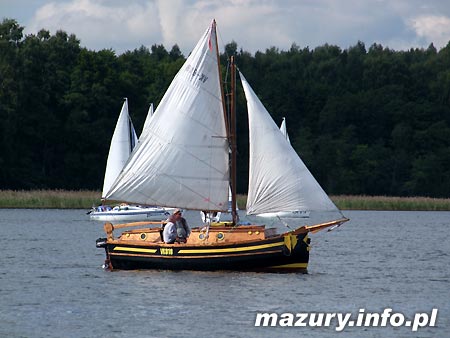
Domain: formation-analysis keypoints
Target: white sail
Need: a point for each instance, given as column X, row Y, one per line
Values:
column 284, row 130
column 183, row 159
column 122, row 143
column 278, row 179
column 147, row 120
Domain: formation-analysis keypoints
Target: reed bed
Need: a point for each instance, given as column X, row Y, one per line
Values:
column 85, row 199
column 49, row 199
column 348, row 202
column 352, row 202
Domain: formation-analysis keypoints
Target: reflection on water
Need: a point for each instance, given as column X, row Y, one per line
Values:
column 52, row 284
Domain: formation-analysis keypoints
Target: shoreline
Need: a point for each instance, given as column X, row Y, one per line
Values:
column 85, row 199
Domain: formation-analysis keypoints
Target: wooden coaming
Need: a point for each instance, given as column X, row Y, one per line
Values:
column 199, row 236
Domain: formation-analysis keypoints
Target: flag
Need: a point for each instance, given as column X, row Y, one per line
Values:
column 210, row 35
column 209, row 41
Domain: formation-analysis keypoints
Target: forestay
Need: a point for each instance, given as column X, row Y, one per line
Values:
column 183, row 159
column 122, row 143
column 278, row 178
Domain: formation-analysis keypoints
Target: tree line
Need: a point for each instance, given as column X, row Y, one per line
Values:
column 368, row 121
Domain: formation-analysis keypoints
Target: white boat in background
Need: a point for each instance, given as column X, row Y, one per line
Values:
column 122, row 144
column 125, row 212
column 285, row 214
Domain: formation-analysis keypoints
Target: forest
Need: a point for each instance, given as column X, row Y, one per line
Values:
column 366, row 121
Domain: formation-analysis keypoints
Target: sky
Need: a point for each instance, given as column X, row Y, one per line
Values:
column 255, row 25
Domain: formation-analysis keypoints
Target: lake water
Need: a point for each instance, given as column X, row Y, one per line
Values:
column 52, row 283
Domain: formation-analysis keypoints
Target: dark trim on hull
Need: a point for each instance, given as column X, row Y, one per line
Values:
column 265, row 255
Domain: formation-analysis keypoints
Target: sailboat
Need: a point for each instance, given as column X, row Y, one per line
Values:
column 300, row 213
column 122, row 144
column 184, row 161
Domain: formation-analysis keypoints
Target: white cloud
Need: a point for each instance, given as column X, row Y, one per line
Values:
column 170, row 18
column 253, row 24
column 434, row 28
column 101, row 24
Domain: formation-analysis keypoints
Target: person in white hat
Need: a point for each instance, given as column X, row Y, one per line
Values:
column 176, row 228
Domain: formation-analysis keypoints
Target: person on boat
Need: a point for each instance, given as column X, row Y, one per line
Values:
column 176, row 229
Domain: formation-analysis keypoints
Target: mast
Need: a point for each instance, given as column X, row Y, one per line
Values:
column 213, row 28
column 227, row 123
column 233, row 140
column 230, row 124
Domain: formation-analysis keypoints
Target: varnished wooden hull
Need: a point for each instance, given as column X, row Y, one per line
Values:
column 273, row 254
column 219, row 247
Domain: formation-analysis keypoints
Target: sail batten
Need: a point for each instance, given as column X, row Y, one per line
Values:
column 279, row 181
column 183, row 159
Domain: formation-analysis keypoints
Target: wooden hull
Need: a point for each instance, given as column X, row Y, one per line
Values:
column 281, row 253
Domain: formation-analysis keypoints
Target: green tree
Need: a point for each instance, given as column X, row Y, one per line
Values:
column 11, row 38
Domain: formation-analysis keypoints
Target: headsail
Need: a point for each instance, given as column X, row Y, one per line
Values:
column 122, row 143
column 183, row 159
column 278, row 178
column 284, row 130
column 147, row 120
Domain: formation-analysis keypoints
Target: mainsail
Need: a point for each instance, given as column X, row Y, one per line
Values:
column 183, row 159
column 122, row 143
column 278, row 178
